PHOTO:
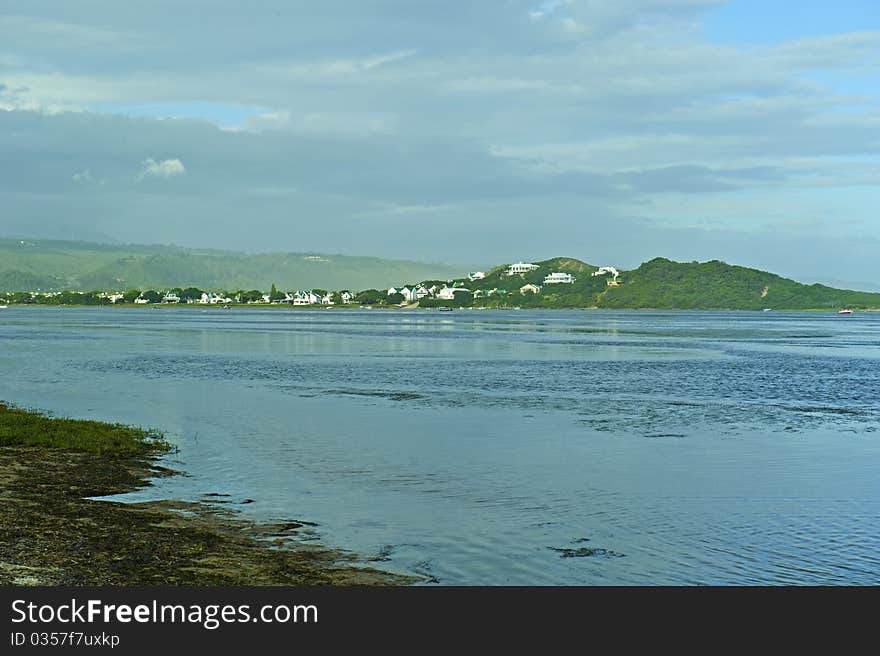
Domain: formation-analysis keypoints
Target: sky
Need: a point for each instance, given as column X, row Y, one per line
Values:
column 462, row 131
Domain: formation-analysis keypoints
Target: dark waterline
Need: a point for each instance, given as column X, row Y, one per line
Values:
column 501, row 447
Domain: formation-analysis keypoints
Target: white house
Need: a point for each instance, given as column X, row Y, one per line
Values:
column 307, row 298
column 448, row 293
column 391, row 290
column 212, row 298
column 521, row 267
column 601, row 271
column 411, row 295
column 529, row 289
column 558, row 277
column 171, row 297
column 347, row 297
column 476, row 275
column 140, row 300
column 113, row 297
column 421, row 292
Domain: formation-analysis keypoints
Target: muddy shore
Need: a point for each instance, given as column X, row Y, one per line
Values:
column 52, row 533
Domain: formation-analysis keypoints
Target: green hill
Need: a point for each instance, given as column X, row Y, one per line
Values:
column 16, row 280
column 40, row 265
column 582, row 292
column 664, row 284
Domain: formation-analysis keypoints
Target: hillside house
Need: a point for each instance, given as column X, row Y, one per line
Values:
column 559, row 278
column 601, row 271
column 529, row 289
column 521, row 267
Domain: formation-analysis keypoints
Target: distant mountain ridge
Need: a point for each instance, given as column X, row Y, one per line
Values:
column 43, row 265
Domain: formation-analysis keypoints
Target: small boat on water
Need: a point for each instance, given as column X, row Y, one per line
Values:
column 844, row 312
column 3, row 307
column 768, row 309
column 445, row 309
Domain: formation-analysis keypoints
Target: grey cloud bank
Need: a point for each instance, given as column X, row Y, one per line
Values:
column 466, row 132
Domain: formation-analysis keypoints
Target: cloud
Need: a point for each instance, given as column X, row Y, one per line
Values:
column 64, row 34
column 341, row 67
column 488, row 85
column 831, row 51
column 83, row 177
column 167, row 168
column 554, row 123
column 336, row 123
column 12, row 99
column 87, row 180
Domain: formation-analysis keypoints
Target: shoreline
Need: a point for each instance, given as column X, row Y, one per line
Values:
column 298, row 308
column 52, row 532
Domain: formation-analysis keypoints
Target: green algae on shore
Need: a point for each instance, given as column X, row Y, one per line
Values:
column 53, row 533
column 19, row 427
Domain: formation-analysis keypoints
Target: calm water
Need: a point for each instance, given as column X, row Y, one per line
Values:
column 501, row 447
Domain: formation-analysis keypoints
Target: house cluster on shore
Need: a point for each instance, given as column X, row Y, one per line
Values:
column 299, row 297
column 447, row 292
column 474, row 285
column 405, row 294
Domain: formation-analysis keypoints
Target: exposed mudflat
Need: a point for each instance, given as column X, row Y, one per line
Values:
column 51, row 533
